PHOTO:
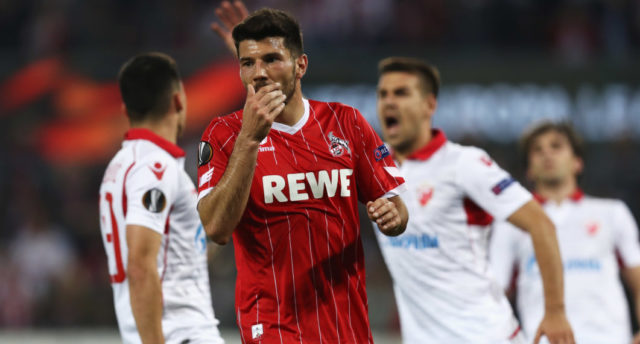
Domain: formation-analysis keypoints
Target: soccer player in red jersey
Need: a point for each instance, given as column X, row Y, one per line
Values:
column 283, row 177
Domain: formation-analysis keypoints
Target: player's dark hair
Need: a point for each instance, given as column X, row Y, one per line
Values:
column 563, row 128
column 147, row 82
column 428, row 74
column 268, row 22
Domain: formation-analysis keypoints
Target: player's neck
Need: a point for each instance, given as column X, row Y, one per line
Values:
column 293, row 111
column 161, row 128
column 557, row 192
column 425, row 137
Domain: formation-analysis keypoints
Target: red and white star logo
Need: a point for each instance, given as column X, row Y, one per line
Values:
column 424, row 193
column 592, row 228
column 486, row 160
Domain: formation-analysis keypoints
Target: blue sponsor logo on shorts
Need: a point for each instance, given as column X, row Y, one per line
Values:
column 502, row 185
column 417, row 242
column 381, row 152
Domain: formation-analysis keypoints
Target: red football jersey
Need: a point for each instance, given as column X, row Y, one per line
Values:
column 298, row 250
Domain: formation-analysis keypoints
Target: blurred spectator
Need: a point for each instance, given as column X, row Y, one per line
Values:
column 574, row 35
column 17, row 304
column 41, row 252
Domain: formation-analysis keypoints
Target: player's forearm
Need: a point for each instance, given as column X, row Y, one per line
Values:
column 636, row 299
column 632, row 278
column 531, row 218
column 146, row 301
column 545, row 244
column 222, row 209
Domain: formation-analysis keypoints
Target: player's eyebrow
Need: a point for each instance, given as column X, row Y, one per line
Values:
column 271, row 55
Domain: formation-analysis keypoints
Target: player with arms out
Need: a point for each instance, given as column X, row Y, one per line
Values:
column 155, row 243
column 283, row 178
column 443, row 287
column 594, row 234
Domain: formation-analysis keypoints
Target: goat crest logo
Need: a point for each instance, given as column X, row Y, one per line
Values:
column 338, row 146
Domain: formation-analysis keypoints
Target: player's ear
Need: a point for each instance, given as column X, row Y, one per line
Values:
column 431, row 104
column 578, row 165
column 179, row 102
column 302, row 62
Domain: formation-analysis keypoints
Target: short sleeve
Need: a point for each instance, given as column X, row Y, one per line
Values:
column 503, row 252
column 376, row 173
column 150, row 191
column 488, row 185
column 626, row 236
column 212, row 156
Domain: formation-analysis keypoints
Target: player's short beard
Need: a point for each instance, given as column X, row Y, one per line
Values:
column 550, row 182
column 289, row 88
column 403, row 146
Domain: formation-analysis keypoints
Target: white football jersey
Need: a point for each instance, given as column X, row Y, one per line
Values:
column 593, row 233
column 145, row 184
column 442, row 283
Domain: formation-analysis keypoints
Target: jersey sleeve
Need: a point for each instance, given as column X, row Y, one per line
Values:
column 150, row 190
column 488, row 185
column 503, row 250
column 212, row 157
column 626, row 236
column 376, row 173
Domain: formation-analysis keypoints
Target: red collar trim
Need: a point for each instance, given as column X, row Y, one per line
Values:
column 438, row 139
column 576, row 196
column 146, row 134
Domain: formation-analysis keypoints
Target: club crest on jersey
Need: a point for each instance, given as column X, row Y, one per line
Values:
column 424, row 194
column 381, row 152
column 338, row 146
column 592, row 228
column 205, row 153
column 154, row 200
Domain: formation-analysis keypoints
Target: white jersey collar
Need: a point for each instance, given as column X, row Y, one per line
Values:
column 294, row 128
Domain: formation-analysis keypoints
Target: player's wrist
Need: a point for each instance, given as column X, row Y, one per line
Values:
column 247, row 141
column 555, row 308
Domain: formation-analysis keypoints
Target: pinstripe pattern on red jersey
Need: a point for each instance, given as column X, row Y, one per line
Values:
column 293, row 281
column 275, row 282
column 333, row 296
column 313, row 276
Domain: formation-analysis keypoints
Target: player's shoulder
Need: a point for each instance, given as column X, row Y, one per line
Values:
column 340, row 109
column 222, row 125
column 463, row 154
column 604, row 204
column 152, row 160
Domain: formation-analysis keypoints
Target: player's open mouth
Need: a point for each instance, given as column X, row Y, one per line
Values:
column 391, row 122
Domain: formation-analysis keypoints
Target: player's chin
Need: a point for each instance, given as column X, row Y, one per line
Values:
column 391, row 138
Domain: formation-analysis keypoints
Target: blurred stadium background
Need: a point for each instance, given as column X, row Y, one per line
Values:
column 505, row 64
